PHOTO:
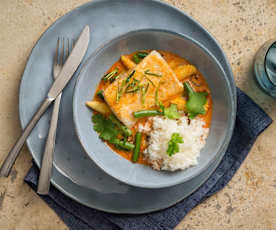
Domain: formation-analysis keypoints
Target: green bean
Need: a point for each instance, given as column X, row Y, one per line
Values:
column 136, row 151
column 123, row 144
column 100, row 94
column 126, row 131
column 136, row 59
column 146, row 113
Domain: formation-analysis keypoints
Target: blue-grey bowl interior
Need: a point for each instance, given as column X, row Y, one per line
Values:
column 223, row 106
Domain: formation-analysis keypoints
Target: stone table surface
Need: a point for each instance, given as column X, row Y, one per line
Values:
column 241, row 26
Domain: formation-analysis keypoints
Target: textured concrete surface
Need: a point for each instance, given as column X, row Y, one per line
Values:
column 241, row 26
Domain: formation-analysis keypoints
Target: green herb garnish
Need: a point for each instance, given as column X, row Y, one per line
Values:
column 152, row 74
column 110, row 75
column 156, row 94
column 133, row 90
column 171, row 112
column 150, row 81
column 109, row 128
column 173, row 146
column 100, row 94
column 130, row 76
column 138, row 56
column 136, row 59
column 105, row 127
column 133, row 86
column 144, row 90
column 142, row 54
column 114, row 78
column 196, row 101
column 119, row 91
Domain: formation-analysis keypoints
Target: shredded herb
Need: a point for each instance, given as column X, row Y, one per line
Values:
column 129, row 76
column 133, row 90
column 173, row 146
column 150, row 81
column 114, row 78
column 144, row 90
column 156, row 94
column 196, row 101
column 133, row 86
column 110, row 75
column 119, row 91
column 152, row 74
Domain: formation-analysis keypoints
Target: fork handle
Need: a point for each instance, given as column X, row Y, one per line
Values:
column 47, row 161
column 10, row 159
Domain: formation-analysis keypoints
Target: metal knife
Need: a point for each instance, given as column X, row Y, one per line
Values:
column 69, row 68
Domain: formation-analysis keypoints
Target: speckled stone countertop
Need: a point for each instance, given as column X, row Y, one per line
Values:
column 241, row 26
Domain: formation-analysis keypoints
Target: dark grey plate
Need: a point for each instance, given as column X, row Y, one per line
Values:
column 74, row 174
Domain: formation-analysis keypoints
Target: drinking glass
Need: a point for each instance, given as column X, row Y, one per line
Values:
column 265, row 67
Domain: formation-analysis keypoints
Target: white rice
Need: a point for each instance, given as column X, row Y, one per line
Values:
column 193, row 134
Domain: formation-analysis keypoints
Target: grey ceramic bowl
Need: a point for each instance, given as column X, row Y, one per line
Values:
column 136, row 174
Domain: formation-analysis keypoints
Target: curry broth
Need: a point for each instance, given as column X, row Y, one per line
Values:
column 197, row 82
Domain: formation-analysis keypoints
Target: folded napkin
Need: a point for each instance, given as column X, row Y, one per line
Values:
column 251, row 121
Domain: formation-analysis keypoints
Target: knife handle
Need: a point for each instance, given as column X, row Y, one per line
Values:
column 47, row 160
column 10, row 159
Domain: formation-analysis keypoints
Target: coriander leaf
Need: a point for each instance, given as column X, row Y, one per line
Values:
column 98, row 121
column 136, row 59
column 105, row 127
column 173, row 146
column 196, row 101
column 171, row 112
column 142, row 54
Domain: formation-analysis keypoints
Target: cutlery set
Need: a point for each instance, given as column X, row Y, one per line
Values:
column 67, row 59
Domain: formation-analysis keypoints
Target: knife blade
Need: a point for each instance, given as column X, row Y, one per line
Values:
column 71, row 64
column 66, row 73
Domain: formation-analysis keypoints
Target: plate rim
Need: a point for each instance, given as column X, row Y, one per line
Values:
column 91, row 4
column 98, row 51
column 217, row 163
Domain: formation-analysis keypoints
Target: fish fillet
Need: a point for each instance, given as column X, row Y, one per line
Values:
column 166, row 84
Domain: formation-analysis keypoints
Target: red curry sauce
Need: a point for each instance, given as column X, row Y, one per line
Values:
column 197, row 82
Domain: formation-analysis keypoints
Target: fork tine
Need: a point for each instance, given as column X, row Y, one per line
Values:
column 57, row 53
column 62, row 52
column 68, row 48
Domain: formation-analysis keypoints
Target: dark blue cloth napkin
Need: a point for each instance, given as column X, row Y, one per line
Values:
column 251, row 121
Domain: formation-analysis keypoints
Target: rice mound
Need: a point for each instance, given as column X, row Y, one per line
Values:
column 194, row 136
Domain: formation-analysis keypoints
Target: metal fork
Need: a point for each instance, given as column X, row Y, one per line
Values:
column 63, row 50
